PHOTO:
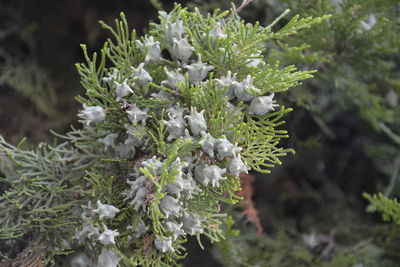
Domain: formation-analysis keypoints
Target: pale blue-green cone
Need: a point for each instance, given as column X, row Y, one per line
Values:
column 192, row 224
column 122, row 89
column 228, row 83
column 198, row 71
column 108, row 258
column 109, row 140
column 141, row 76
column 176, row 127
column 226, row 149
column 237, row 166
column 208, row 143
column 174, row 31
column 107, row 237
column 196, row 121
column 181, row 49
column 170, row 207
column 137, row 115
column 92, row 115
column 175, row 229
column 152, row 48
column 105, row 210
column 172, row 78
column 245, row 90
column 111, row 76
column 164, row 245
column 153, row 165
column 261, row 105
column 213, row 174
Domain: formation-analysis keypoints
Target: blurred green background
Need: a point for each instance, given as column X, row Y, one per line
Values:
column 344, row 126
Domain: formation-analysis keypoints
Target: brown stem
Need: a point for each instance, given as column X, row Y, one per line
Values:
column 249, row 211
column 243, row 5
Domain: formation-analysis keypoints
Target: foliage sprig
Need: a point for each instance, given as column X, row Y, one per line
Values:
column 170, row 120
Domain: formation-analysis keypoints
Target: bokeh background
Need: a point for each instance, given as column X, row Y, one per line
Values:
column 344, row 126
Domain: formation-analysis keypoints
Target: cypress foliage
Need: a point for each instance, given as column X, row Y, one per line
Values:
column 170, row 120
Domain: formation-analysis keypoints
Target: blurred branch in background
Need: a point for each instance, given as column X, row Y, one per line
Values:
column 345, row 126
